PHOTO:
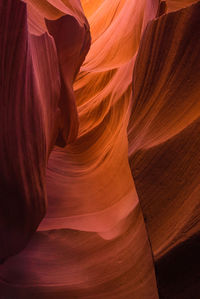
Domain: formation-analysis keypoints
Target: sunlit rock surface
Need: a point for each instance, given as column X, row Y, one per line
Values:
column 109, row 137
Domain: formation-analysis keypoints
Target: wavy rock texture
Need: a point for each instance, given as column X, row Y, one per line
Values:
column 164, row 130
column 36, row 107
column 24, row 146
column 92, row 241
column 86, row 244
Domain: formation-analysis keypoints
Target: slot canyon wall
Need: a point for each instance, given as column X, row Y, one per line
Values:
column 99, row 153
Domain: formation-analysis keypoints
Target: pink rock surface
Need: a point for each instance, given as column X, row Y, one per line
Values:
column 99, row 127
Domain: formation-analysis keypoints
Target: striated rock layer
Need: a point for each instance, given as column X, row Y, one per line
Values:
column 164, row 147
column 37, row 110
column 100, row 125
column 92, row 241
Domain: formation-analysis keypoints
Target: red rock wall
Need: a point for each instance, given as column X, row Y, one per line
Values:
column 99, row 152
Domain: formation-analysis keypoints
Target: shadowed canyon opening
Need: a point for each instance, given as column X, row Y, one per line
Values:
column 99, row 151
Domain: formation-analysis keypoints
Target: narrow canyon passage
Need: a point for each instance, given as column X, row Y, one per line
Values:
column 104, row 107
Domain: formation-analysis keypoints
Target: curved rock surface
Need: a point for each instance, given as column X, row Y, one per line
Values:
column 164, row 146
column 36, row 107
column 105, row 113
